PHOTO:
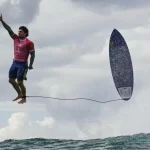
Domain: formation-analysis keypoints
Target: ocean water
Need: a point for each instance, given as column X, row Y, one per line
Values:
column 134, row 142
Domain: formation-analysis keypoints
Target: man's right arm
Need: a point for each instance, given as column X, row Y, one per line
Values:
column 8, row 28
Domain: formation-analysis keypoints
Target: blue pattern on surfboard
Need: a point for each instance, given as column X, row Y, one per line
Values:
column 120, row 61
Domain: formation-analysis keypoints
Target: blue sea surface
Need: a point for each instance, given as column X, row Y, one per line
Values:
column 134, row 142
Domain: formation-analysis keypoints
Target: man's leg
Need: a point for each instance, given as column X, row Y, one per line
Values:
column 21, row 76
column 12, row 77
column 16, row 87
column 23, row 90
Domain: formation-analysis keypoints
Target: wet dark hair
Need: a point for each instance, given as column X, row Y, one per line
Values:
column 25, row 30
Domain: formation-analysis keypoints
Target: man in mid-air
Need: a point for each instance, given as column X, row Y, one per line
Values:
column 18, row 70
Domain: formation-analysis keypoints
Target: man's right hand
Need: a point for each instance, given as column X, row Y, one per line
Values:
column 1, row 18
column 6, row 26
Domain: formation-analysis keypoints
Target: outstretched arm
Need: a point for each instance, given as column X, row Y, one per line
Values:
column 7, row 27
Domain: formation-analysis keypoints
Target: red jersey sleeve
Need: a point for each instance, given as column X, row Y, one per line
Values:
column 31, row 47
column 14, row 36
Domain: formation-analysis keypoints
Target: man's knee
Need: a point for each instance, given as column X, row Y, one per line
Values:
column 12, row 81
column 20, row 82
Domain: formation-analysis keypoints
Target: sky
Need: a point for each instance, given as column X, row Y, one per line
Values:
column 71, row 40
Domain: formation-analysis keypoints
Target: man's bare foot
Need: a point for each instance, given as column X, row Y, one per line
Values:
column 18, row 97
column 22, row 101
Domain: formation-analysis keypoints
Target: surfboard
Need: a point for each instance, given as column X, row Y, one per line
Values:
column 121, row 65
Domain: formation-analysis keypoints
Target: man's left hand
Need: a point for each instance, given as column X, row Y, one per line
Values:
column 30, row 67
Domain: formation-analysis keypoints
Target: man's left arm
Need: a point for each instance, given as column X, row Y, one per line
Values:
column 31, row 59
column 32, row 54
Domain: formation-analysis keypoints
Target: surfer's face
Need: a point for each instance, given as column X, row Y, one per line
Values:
column 21, row 33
